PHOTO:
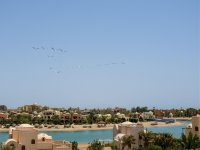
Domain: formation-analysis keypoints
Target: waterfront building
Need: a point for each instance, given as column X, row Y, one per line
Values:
column 194, row 128
column 48, row 114
column 147, row 115
column 76, row 117
column 65, row 117
column 164, row 113
column 3, row 116
column 158, row 113
column 26, row 137
column 107, row 116
column 120, row 116
column 134, row 115
column 127, row 129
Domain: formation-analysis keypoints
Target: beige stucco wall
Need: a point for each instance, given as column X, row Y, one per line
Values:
column 187, row 131
column 196, row 123
column 23, row 136
column 133, row 129
column 44, row 146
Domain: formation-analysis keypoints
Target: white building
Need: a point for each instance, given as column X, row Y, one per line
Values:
column 148, row 115
column 26, row 137
column 127, row 129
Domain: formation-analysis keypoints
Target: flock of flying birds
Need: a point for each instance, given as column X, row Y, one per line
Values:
column 53, row 50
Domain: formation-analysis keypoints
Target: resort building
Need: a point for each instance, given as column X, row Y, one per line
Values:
column 65, row 117
column 76, row 117
column 194, row 128
column 147, row 115
column 134, row 115
column 48, row 114
column 127, row 129
column 158, row 113
column 164, row 113
column 3, row 116
column 107, row 116
column 30, row 108
column 26, row 137
column 120, row 116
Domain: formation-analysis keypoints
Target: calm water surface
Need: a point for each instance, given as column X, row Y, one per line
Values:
column 79, row 136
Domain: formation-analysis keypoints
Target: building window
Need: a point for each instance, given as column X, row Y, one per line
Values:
column 12, row 146
column 196, row 129
column 43, row 139
column 32, row 141
column 23, row 147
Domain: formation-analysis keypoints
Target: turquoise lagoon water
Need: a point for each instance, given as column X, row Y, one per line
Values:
column 89, row 136
column 79, row 136
column 3, row 136
column 175, row 131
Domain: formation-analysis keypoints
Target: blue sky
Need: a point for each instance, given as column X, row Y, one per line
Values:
column 117, row 53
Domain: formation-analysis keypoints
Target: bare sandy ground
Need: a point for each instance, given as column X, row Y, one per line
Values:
column 83, row 146
column 61, row 128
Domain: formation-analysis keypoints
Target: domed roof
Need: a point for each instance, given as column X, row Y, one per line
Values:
column 10, row 140
column 127, row 123
column 44, row 135
column 189, row 125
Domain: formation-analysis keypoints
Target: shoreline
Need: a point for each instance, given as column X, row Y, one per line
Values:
column 77, row 128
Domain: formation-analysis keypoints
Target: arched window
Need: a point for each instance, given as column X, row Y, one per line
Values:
column 43, row 139
column 23, row 147
column 32, row 141
column 12, row 145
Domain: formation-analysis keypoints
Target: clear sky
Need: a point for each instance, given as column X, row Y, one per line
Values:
column 100, row 53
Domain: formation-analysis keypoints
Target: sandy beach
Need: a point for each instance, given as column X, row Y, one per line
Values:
column 60, row 128
column 83, row 146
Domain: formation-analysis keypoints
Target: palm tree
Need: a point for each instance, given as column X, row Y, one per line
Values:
column 164, row 140
column 95, row 145
column 191, row 141
column 146, row 137
column 6, row 148
column 74, row 145
column 128, row 141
